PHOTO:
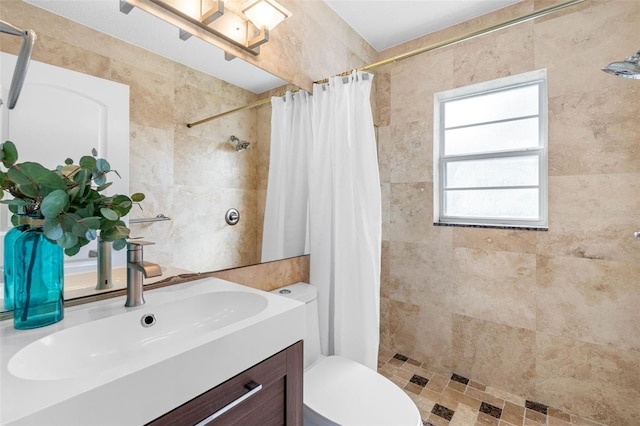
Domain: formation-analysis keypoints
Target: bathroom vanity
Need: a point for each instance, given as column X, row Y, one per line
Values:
column 268, row 394
column 190, row 351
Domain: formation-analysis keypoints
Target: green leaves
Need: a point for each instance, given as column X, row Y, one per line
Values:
column 33, row 180
column 87, row 162
column 115, row 231
column 8, row 153
column 52, row 229
column 68, row 198
column 119, row 244
column 54, row 203
column 100, row 171
column 91, row 222
column 109, row 214
column 103, row 165
column 68, row 240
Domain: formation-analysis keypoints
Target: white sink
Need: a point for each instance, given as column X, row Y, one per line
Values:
column 101, row 366
column 98, row 347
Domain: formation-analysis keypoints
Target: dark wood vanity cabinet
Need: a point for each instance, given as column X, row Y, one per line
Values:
column 267, row 394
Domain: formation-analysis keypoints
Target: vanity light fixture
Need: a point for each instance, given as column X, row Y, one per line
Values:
column 225, row 24
column 265, row 13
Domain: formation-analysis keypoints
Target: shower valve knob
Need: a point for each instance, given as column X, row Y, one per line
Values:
column 232, row 216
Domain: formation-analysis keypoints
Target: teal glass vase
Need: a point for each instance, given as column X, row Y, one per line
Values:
column 9, row 274
column 39, row 280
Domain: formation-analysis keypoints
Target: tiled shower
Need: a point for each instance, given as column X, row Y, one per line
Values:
column 549, row 316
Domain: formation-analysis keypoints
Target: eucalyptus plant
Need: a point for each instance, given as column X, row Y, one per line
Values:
column 69, row 199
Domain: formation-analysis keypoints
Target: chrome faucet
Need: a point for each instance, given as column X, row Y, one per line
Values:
column 104, row 264
column 137, row 270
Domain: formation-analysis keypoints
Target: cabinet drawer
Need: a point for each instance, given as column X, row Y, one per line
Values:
column 257, row 396
column 266, row 408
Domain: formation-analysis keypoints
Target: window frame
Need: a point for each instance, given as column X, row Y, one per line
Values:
column 539, row 78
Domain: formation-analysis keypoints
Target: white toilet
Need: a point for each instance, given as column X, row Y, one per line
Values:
column 339, row 391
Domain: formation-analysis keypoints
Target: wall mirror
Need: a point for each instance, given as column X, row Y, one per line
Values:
column 192, row 176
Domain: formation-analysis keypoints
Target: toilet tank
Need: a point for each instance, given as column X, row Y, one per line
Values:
column 307, row 294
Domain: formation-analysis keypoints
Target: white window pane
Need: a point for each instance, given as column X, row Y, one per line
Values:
column 506, row 171
column 492, row 203
column 509, row 135
column 505, row 104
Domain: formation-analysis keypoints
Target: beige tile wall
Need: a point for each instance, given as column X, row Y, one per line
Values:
column 551, row 316
column 270, row 275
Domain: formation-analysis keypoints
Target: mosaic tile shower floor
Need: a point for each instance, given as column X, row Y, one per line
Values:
column 453, row 400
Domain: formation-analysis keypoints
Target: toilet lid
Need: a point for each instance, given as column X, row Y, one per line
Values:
column 349, row 394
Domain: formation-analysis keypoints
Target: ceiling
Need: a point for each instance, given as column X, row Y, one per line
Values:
column 387, row 23
column 370, row 18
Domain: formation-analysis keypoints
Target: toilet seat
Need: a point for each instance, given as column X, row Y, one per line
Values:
column 346, row 393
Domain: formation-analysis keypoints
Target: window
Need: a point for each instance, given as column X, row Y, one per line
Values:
column 490, row 153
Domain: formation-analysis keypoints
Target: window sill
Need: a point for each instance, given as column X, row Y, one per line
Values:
column 518, row 228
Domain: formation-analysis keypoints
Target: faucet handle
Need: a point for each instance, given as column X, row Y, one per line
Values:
column 131, row 244
column 148, row 269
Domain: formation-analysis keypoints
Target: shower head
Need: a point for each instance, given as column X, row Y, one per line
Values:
column 237, row 144
column 629, row 68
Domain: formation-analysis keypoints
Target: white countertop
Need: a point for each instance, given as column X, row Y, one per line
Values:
column 139, row 393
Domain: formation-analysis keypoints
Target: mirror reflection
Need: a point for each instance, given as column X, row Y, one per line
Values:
column 193, row 176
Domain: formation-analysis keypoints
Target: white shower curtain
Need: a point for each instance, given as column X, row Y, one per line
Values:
column 345, row 218
column 286, row 217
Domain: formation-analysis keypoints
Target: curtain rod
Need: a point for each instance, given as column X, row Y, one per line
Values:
column 429, row 48
column 223, row 114
column 242, row 108
column 463, row 37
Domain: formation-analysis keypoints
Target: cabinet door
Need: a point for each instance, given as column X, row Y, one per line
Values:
column 268, row 394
